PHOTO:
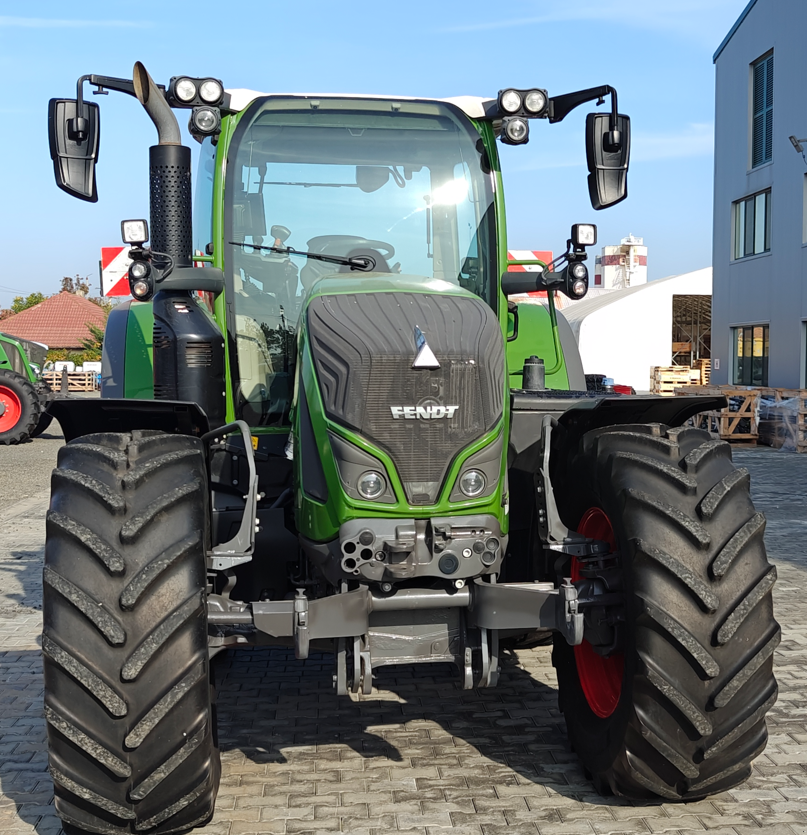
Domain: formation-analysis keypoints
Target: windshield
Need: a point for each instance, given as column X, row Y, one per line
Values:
column 403, row 183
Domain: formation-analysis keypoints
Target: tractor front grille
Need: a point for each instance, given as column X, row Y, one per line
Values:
column 364, row 346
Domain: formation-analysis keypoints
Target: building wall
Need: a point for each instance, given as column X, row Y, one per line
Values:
column 770, row 288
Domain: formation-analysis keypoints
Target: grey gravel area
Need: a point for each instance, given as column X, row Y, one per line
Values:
column 25, row 468
column 420, row 755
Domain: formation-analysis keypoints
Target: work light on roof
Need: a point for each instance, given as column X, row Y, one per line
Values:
column 211, row 91
column 535, row 101
column 510, row 101
column 515, row 131
column 185, row 90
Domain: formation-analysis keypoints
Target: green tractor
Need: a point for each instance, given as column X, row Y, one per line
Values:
column 24, row 397
column 325, row 427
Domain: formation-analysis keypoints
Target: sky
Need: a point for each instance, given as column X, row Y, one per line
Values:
column 658, row 54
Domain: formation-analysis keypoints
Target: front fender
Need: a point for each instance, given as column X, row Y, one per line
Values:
column 79, row 416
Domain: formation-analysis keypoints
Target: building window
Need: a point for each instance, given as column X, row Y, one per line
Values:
column 752, row 225
column 762, row 118
column 751, row 355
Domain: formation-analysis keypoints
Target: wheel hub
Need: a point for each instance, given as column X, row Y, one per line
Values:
column 600, row 678
column 10, row 409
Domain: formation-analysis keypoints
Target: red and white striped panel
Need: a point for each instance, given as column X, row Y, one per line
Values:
column 527, row 255
column 115, row 263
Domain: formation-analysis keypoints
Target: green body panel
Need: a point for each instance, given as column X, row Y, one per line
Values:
column 139, row 377
column 535, row 336
column 13, row 357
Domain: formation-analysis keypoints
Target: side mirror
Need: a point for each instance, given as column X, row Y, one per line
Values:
column 74, row 146
column 607, row 155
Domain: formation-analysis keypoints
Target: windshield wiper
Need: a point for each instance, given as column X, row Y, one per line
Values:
column 365, row 263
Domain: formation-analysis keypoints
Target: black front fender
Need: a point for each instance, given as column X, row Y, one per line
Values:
column 79, row 416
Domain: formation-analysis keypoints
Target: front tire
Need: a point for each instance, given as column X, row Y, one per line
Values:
column 686, row 714
column 127, row 691
column 19, row 409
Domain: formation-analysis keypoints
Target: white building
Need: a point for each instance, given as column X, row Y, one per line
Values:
column 621, row 266
column 622, row 334
column 760, row 195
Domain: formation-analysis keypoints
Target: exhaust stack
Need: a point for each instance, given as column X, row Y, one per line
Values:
column 169, row 174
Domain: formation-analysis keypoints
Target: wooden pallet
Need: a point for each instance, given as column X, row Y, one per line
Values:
column 665, row 379
column 705, row 368
column 76, row 380
column 785, row 421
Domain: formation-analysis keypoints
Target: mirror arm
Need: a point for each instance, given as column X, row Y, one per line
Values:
column 561, row 106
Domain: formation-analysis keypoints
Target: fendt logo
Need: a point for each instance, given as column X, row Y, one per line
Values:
column 423, row 412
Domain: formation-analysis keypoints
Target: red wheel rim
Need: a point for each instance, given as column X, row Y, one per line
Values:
column 13, row 409
column 600, row 678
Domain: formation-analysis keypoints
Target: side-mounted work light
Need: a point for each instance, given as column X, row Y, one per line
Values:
column 134, row 232
column 141, row 283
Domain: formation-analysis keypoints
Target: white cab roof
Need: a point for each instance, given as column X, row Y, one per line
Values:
column 472, row 106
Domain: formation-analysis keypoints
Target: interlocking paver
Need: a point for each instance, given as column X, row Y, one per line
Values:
column 421, row 756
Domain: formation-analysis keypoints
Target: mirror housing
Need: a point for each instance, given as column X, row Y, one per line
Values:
column 608, row 156
column 74, row 141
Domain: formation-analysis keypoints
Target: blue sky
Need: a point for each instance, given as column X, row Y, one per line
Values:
column 657, row 54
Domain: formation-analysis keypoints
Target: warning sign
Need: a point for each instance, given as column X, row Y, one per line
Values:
column 115, row 263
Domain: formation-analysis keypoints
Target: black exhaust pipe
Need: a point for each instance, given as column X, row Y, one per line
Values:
column 188, row 345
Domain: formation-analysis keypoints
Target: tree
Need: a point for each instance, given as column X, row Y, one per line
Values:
column 19, row 304
column 78, row 285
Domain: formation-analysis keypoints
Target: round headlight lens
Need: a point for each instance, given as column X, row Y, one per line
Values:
column 579, row 288
column 535, row 101
column 510, row 101
column 185, row 90
column 372, row 485
column 139, row 269
column 579, row 270
column 141, row 288
column 205, row 120
column 210, row 91
column 473, row 483
column 517, row 130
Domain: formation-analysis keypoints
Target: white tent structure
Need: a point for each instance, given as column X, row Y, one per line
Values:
column 623, row 333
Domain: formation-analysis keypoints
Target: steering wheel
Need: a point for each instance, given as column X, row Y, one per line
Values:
column 342, row 244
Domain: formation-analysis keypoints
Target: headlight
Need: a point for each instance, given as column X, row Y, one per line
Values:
column 185, row 90
column 510, row 101
column 584, row 234
column 141, row 288
column 515, row 131
column 473, row 483
column 579, row 288
column 139, row 269
column 205, row 120
column 211, row 91
column 371, row 485
column 579, row 270
column 535, row 101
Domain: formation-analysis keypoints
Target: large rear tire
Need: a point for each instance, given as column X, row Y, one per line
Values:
column 681, row 714
column 19, row 409
column 131, row 728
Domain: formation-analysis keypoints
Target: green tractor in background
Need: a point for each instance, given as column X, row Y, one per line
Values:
column 338, row 435
column 24, row 397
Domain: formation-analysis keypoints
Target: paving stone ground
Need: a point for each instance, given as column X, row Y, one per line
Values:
column 419, row 755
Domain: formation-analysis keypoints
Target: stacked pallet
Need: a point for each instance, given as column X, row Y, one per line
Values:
column 664, row 379
column 705, row 368
column 76, row 380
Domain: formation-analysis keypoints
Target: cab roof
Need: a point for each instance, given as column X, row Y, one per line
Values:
column 472, row 106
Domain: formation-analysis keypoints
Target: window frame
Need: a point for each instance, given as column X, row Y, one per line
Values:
column 751, row 378
column 761, row 110
column 744, row 228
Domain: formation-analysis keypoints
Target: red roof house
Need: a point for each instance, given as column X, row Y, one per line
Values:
column 59, row 322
